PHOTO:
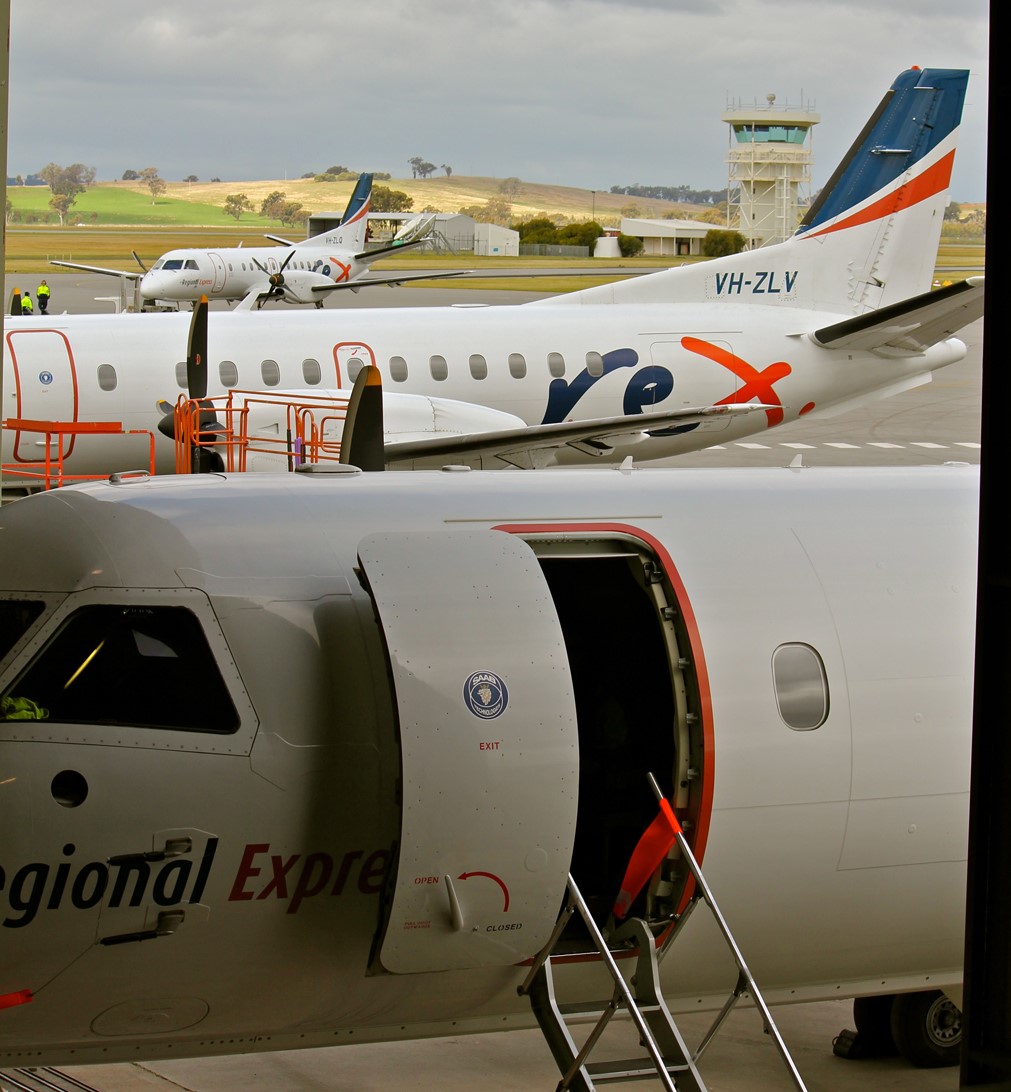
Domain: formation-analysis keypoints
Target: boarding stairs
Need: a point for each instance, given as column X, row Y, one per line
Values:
column 668, row 1057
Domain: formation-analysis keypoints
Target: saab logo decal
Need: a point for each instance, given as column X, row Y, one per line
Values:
column 763, row 282
column 486, row 695
column 45, row 378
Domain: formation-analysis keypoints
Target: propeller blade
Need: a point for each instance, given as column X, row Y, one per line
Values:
column 259, row 265
column 362, row 440
column 139, row 262
column 284, row 264
column 196, row 352
column 16, row 302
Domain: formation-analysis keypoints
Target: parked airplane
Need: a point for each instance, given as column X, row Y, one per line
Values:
column 839, row 314
column 300, row 272
column 303, row 760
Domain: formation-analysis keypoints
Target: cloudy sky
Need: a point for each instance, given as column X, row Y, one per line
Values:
column 590, row 93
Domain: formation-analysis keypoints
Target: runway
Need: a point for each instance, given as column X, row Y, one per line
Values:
column 935, row 423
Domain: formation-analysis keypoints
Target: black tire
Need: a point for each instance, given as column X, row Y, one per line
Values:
column 873, row 1019
column 927, row 1029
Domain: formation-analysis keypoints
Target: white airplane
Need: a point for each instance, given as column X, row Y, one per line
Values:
column 297, row 272
column 303, row 760
column 840, row 314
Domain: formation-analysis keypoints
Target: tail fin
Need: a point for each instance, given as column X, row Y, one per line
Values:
column 886, row 199
column 871, row 237
column 350, row 234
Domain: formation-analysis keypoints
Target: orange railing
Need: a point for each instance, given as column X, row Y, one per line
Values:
column 239, row 425
column 49, row 472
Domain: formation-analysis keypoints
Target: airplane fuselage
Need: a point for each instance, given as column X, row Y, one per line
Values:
column 232, row 273
column 325, row 700
column 545, row 363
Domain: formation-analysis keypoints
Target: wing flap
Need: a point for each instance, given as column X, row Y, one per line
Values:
column 126, row 275
column 533, row 446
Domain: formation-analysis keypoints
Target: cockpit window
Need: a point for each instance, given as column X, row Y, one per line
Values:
column 173, row 263
column 16, row 615
column 191, row 264
column 147, row 667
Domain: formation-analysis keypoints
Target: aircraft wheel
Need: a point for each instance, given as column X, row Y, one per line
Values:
column 873, row 1019
column 927, row 1029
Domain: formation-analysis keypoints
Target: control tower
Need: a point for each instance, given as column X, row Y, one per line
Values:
column 770, row 160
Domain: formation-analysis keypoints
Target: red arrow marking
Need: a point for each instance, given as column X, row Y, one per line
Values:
column 490, row 876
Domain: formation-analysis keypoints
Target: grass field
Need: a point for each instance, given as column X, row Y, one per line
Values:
column 114, row 218
column 201, row 204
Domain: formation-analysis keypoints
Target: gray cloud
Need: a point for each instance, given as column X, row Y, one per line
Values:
column 578, row 92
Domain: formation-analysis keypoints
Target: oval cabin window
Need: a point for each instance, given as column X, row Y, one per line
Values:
column 801, row 687
column 228, row 373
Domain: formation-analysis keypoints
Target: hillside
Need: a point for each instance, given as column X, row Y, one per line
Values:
column 201, row 203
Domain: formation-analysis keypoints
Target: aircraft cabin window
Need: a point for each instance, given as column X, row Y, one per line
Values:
column 107, row 377
column 801, row 686
column 517, row 366
column 354, row 366
column 148, row 667
column 438, row 367
column 312, row 373
column 181, row 380
column 228, row 373
column 556, row 365
column 270, row 373
column 398, row 369
column 595, row 364
column 16, row 615
column 478, row 366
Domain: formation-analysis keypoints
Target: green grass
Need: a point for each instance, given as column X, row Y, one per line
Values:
column 114, row 205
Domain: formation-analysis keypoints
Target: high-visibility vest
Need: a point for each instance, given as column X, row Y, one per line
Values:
column 43, row 290
column 27, row 307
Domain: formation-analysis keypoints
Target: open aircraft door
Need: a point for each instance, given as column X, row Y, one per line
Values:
column 489, row 748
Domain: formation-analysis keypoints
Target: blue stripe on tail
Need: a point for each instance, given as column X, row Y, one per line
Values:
column 920, row 110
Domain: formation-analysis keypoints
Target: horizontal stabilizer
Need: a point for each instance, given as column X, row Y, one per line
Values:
column 912, row 325
column 532, row 446
column 126, row 275
column 278, row 239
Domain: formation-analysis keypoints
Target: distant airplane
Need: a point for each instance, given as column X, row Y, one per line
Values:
column 841, row 313
column 302, row 760
column 298, row 272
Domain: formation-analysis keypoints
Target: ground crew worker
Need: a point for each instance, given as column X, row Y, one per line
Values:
column 43, row 295
column 26, row 304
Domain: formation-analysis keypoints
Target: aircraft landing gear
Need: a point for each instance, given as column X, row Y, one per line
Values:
column 925, row 1028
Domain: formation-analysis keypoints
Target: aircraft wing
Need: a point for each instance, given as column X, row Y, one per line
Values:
column 534, row 445
column 911, row 325
column 390, row 281
column 99, row 269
